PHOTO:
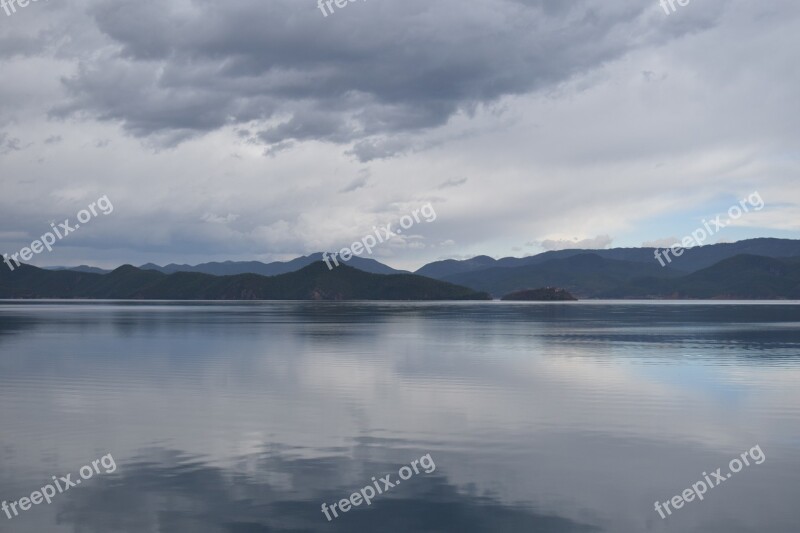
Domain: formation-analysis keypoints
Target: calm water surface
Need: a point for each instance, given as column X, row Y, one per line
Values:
column 245, row 418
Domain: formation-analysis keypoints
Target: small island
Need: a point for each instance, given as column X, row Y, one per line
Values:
column 547, row 294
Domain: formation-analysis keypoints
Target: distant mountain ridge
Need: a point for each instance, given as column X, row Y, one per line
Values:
column 691, row 260
column 449, row 267
column 584, row 275
column 614, row 273
column 81, row 268
column 591, row 276
column 313, row 282
column 232, row 268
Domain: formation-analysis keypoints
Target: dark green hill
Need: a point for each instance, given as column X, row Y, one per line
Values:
column 449, row 267
column 691, row 260
column 590, row 276
column 547, row 294
column 31, row 282
column 584, row 275
column 743, row 277
column 314, row 282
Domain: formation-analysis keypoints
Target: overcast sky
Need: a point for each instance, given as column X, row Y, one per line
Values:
column 263, row 129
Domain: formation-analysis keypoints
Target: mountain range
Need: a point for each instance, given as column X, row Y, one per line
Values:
column 312, row 282
column 232, row 268
column 763, row 268
column 742, row 277
column 691, row 260
column 592, row 276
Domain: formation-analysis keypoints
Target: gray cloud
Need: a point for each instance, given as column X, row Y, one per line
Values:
column 16, row 44
column 453, row 182
column 362, row 75
column 9, row 144
column 566, row 118
column 358, row 183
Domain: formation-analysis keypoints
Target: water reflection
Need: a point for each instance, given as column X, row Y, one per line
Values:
column 246, row 417
column 165, row 490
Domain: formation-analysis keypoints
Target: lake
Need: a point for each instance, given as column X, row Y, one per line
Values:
column 248, row 417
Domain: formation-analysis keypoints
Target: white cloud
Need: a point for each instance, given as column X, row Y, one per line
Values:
column 609, row 136
column 666, row 242
column 593, row 243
